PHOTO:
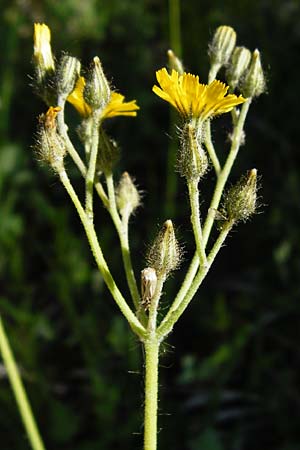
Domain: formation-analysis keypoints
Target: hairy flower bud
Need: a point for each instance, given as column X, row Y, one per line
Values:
column 97, row 90
column 192, row 159
column 148, row 286
column 108, row 153
column 67, row 74
column 175, row 63
column 50, row 145
column 164, row 255
column 127, row 196
column 239, row 62
column 241, row 200
column 222, row 45
column 254, row 83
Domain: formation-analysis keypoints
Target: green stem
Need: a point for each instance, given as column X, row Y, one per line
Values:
column 173, row 315
column 19, row 392
column 63, row 131
column 224, row 174
column 122, row 230
column 90, row 175
column 211, row 149
column 135, row 324
column 175, row 27
column 151, row 393
column 195, row 220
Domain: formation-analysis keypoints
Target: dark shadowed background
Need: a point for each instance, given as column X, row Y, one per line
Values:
column 230, row 370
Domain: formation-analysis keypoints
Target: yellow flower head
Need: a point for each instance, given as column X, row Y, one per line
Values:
column 115, row 107
column 42, row 46
column 193, row 99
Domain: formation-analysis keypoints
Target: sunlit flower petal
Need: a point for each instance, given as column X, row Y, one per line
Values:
column 42, row 46
column 193, row 99
column 77, row 100
column 115, row 107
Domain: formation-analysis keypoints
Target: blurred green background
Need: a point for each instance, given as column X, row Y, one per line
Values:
column 230, row 370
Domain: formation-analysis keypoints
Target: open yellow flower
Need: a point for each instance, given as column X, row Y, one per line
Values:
column 42, row 46
column 193, row 99
column 115, row 107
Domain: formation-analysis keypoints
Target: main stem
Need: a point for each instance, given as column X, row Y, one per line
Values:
column 151, row 393
column 19, row 392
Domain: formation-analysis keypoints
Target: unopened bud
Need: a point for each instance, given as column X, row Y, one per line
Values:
column 108, row 153
column 222, row 45
column 238, row 64
column 97, row 91
column 254, row 83
column 50, row 145
column 43, row 57
column 127, row 195
column 67, row 74
column 175, row 63
column 241, row 200
column 164, row 255
column 148, row 286
column 192, row 160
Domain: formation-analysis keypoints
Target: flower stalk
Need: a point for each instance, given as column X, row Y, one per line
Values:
column 197, row 104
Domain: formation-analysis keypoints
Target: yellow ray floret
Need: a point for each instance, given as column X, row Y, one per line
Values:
column 42, row 46
column 77, row 100
column 115, row 107
column 193, row 99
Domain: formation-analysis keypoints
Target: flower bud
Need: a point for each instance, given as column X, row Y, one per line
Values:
column 50, row 145
column 222, row 45
column 192, row 160
column 108, row 153
column 96, row 91
column 127, row 196
column 164, row 255
column 67, row 74
column 175, row 63
column 254, row 83
column 43, row 57
column 241, row 200
column 148, row 286
column 238, row 64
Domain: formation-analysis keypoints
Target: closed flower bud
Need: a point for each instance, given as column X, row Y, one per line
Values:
column 67, row 74
column 238, row 64
column 42, row 52
column 148, row 286
column 50, row 145
column 108, row 153
column 175, row 63
column 127, row 195
column 222, row 45
column 192, row 160
column 254, row 83
column 164, row 256
column 241, row 200
column 97, row 90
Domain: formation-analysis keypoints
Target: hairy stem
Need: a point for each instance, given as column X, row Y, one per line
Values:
column 19, row 392
column 122, row 230
column 90, row 175
column 224, row 174
column 195, row 220
column 171, row 318
column 151, row 393
column 135, row 324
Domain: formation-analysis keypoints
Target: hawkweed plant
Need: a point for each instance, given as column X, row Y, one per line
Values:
column 60, row 81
